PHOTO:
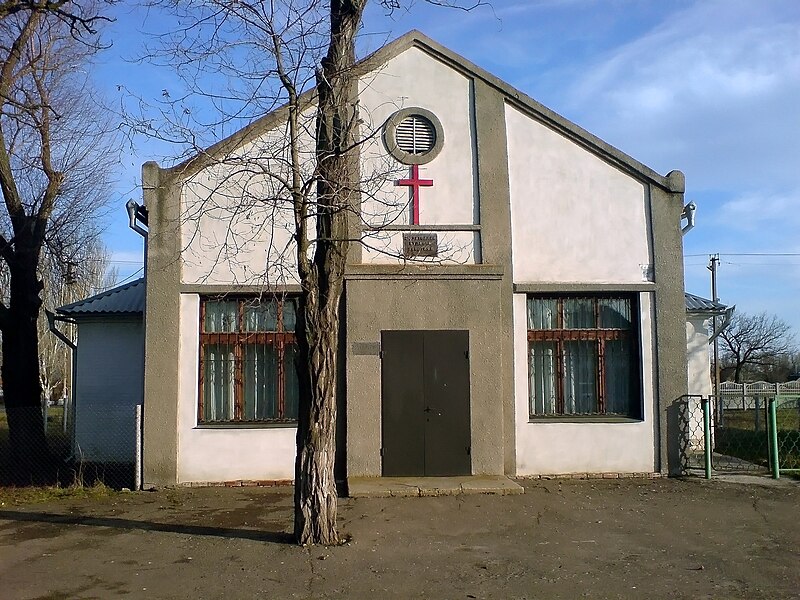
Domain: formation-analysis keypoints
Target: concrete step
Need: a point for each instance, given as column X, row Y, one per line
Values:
column 399, row 487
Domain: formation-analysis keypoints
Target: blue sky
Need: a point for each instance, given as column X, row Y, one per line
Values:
column 709, row 87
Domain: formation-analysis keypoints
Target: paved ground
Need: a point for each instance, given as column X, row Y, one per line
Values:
column 561, row 539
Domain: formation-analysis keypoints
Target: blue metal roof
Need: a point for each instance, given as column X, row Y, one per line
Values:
column 127, row 299
column 699, row 304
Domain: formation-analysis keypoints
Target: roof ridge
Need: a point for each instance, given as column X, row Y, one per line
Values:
column 673, row 181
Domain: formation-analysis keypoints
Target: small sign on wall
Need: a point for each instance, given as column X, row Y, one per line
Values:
column 420, row 244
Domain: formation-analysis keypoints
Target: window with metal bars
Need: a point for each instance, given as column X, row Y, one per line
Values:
column 247, row 350
column 416, row 135
column 582, row 356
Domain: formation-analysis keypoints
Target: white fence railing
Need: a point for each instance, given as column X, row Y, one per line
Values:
column 752, row 396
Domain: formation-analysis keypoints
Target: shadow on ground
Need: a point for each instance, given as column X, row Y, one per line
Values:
column 118, row 523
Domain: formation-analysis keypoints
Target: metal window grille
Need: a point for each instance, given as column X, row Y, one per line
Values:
column 247, row 349
column 582, row 356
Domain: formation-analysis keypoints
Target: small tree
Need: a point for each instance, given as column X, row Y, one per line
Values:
column 755, row 343
column 54, row 161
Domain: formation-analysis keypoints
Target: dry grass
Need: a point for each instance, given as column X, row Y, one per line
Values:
column 15, row 496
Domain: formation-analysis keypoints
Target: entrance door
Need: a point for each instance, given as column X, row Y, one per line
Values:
column 425, row 399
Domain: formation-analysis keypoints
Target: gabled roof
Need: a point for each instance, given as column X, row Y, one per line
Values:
column 673, row 182
column 127, row 299
column 698, row 304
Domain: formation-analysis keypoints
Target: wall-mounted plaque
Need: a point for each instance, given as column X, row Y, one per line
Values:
column 420, row 244
column 366, row 348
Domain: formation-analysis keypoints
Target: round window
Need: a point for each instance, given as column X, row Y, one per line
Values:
column 414, row 136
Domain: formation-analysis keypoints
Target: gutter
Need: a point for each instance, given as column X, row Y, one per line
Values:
column 726, row 321
column 137, row 214
column 688, row 214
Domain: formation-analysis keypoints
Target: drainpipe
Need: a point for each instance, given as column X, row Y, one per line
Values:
column 688, row 214
column 51, row 323
column 726, row 320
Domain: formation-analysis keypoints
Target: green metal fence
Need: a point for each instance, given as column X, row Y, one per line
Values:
column 785, row 421
column 749, row 428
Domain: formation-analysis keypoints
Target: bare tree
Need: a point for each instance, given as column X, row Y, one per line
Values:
column 755, row 342
column 55, row 158
column 303, row 189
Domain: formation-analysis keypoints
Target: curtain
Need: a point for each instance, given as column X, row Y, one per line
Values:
column 618, row 385
column 542, row 313
column 218, row 381
column 542, row 373
column 220, row 316
column 579, row 313
column 580, row 377
column 615, row 313
column 260, row 378
column 261, row 316
column 291, row 383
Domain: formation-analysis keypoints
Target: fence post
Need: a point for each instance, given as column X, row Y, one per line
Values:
column 137, row 467
column 757, row 401
column 773, row 439
column 706, row 402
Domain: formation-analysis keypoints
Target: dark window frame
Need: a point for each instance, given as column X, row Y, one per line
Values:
column 279, row 338
column 598, row 334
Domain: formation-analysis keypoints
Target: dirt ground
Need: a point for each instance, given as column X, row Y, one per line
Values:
column 561, row 539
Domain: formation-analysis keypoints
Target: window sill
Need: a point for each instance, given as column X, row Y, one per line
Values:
column 247, row 425
column 584, row 419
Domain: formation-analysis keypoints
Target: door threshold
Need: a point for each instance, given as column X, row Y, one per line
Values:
column 404, row 487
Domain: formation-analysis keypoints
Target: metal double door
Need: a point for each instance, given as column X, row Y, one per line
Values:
column 425, row 403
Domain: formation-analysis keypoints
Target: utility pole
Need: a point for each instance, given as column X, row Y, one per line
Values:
column 712, row 266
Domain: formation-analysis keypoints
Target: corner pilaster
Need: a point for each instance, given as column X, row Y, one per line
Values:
column 162, row 318
column 670, row 313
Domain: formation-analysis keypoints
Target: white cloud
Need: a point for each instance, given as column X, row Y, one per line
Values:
column 756, row 212
column 711, row 90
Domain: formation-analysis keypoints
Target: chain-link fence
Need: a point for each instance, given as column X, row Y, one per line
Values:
column 64, row 444
column 787, row 425
column 748, row 428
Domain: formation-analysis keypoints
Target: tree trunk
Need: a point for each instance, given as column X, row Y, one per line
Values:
column 21, row 387
column 315, row 486
column 322, row 279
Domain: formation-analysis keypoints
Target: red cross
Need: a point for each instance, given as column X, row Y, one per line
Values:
column 415, row 183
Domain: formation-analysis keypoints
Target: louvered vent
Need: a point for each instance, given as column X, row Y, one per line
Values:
column 416, row 135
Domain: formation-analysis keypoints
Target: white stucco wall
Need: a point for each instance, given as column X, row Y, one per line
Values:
column 698, row 362
column 415, row 79
column 546, row 448
column 235, row 228
column 108, row 386
column 455, row 247
column 557, row 187
column 222, row 454
column 698, row 358
column 233, row 233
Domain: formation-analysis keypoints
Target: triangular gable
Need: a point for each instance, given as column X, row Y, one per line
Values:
column 674, row 182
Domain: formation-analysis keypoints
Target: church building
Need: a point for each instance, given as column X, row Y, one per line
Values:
column 516, row 306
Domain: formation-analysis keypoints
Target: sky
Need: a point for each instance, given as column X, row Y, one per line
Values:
column 710, row 87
